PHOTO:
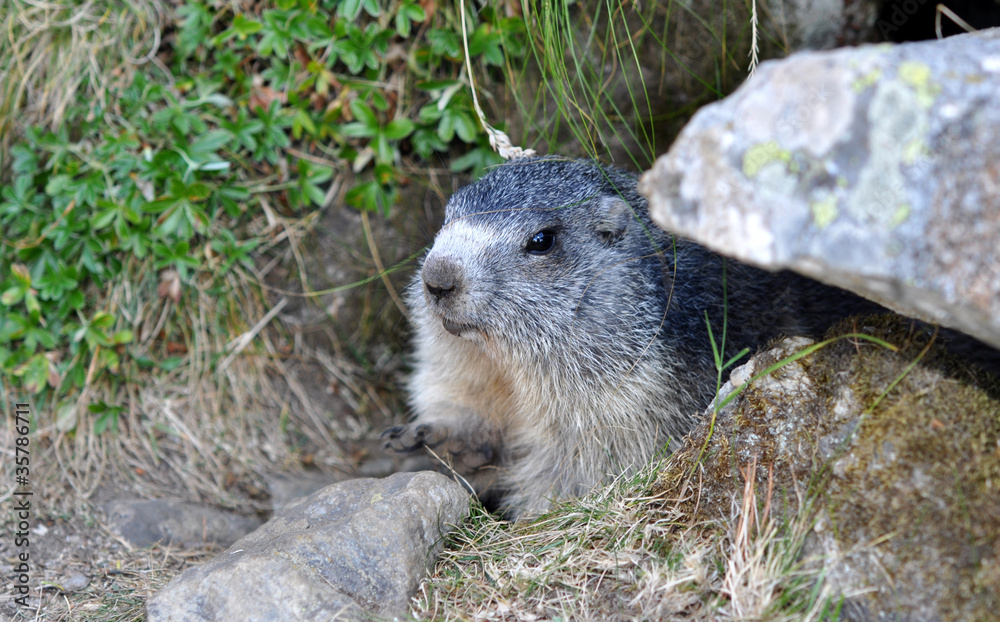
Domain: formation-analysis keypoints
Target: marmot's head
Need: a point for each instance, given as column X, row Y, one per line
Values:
column 541, row 253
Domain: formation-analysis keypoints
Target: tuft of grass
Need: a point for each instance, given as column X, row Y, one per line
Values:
column 618, row 79
column 623, row 553
column 55, row 54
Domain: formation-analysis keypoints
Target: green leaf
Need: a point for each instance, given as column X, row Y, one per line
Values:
column 426, row 142
column 413, row 10
column 379, row 101
column 25, row 160
column 35, row 373
column 357, row 130
column 301, row 121
column 57, row 184
column 170, row 363
column 485, row 43
column 245, row 27
column 385, row 174
column 383, row 150
column 12, row 296
column 160, row 205
column 446, row 128
column 444, row 42
column 66, row 416
column 194, row 27
column 174, row 224
column 102, row 320
column 210, row 142
column 409, row 12
column 349, row 9
column 371, row 196
column 277, row 37
column 364, row 114
column 198, row 191
column 13, row 327
column 398, row 129
column 31, row 303
column 102, row 219
column 39, row 336
column 219, row 165
column 436, row 85
column 107, row 420
column 74, row 299
column 237, row 193
column 466, row 128
column 477, row 160
column 109, row 358
column 402, row 25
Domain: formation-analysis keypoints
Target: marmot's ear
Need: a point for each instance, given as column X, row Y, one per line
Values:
column 615, row 215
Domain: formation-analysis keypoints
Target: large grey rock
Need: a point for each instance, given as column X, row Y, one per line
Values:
column 876, row 169
column 895, row 467
column 350, row 551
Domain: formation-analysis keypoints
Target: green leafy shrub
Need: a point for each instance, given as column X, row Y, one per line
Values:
column 165, row 178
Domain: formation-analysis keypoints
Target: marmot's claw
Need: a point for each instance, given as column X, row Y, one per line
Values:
column 392, row 432
column 410, row 437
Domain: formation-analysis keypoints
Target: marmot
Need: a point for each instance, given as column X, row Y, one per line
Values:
column 561, row 336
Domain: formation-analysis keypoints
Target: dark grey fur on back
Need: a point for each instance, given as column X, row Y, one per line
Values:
column 540, row 374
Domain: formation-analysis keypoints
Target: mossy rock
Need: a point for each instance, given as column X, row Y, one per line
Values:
column 897, row 454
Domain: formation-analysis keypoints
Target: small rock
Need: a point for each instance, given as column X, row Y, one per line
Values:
column 351, row 551
column 285, row 489
column 74, row 582
column 146, row 522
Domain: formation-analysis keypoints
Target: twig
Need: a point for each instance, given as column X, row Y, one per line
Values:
column 378, row 265
column 237, row 345
column 938, row 10
column 498, row 140
column 754, row 47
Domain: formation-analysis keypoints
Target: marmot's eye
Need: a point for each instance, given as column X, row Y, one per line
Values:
column 542, row 242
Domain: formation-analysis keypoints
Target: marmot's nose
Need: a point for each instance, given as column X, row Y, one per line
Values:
column 442, row 276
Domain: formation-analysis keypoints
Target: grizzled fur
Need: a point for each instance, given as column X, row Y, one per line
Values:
column 561, row 336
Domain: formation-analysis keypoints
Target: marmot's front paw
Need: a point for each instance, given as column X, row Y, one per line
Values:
column 448, row 445
column 412, row 436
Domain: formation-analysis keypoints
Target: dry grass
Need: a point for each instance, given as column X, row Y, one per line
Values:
column 55, row 53
column 212, row 433
column 621, row 555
